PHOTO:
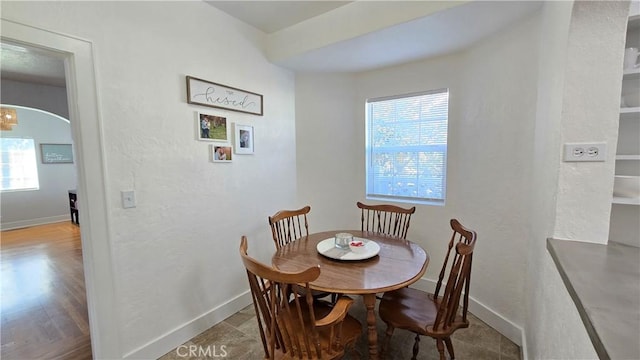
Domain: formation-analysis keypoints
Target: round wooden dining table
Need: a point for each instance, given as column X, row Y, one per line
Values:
column 399, row 263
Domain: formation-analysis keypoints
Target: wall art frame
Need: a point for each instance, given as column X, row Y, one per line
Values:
column 207, row 93
column 221, row 153
column 56, row 153
column 211, row 127
column 243, row 139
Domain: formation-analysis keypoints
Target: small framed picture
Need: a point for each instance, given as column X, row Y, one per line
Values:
column 221, row 153
column 243, row 139
column 212, row 127
column 56, row 153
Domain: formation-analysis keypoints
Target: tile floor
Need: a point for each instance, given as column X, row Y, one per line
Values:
column 237, row 338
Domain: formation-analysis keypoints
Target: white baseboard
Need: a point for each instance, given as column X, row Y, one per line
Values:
column 33, row 222
column 523, row 347
column 165, row 343
column 501, row 324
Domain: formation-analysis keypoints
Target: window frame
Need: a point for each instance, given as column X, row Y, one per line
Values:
column 369, row 168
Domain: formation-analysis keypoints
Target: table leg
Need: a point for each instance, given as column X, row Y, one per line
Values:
column 372, row 332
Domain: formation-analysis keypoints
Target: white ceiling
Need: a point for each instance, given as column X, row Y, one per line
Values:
column 28, row 64
column 271, row 16
column 441, row 33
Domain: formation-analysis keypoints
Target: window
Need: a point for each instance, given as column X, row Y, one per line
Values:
column 18, row 164
column 406, row 147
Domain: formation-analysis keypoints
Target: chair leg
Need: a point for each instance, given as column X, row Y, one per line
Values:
column 449, row 344
column 416, row 347
column 440, row 346
column 355, row 354
column 387, row 338
column 335, row 297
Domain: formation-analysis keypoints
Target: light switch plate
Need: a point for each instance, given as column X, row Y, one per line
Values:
column 128, row 199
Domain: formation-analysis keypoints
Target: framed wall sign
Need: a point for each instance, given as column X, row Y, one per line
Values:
column 56, row 153
column 202, row 92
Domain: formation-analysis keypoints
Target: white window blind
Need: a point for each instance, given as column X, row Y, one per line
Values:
column 406, row 147
column 18, row 164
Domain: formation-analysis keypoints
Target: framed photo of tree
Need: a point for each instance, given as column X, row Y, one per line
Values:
column 212, row 127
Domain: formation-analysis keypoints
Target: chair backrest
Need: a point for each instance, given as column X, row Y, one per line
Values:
column 386, row 219
column 287, row 319
column 288, row 225
column 459, row 277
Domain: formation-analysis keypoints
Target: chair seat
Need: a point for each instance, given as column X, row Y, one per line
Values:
column 408, row 309
column 436, row 315
column 351, row 330
column 416, row 311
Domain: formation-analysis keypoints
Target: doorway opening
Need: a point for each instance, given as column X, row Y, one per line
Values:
column 44, row 302
column 83, row 113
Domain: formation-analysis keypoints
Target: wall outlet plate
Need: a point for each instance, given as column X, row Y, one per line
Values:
column 585, row 152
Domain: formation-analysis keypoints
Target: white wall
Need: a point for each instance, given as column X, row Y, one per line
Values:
column 49, row 203
column 492, row 108
column 590, row 113
column 328, row 141
column 496, row 138
column 575, row 40
column 550, row 311
column 176, row 264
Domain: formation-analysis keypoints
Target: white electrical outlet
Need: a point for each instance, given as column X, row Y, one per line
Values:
column 128, row 199
column 585, row 152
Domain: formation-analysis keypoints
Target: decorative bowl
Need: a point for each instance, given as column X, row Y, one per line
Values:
column 357, row 247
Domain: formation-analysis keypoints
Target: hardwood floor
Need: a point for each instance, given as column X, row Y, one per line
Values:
column 43, row 299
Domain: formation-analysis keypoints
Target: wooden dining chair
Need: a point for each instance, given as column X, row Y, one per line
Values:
column 431, row 314
column 294, row 326
column 288, row 225
column 386, row 219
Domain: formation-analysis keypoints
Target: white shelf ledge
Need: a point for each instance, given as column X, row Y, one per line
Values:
column 631, row 73
column 627, row 157
column 625, row 201
column 629, row 110
column 630, row 113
